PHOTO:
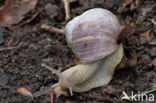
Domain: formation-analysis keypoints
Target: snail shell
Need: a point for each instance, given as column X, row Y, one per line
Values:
column 93, row 35
column 93, row 38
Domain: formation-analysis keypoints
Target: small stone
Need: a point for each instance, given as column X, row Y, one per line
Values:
column 3, row 79
column 1, row 40
column 154, row 62
column 153, row 52
column 144, row 58
column 51, row 9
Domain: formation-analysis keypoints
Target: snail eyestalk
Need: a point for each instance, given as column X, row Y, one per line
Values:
column 68, row 82
column 58, row 73
column 53, row 71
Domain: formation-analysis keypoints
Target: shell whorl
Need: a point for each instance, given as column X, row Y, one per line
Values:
column 93, row 35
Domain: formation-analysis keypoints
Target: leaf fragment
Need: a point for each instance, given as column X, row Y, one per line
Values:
column 14, row 11
column 24, row 92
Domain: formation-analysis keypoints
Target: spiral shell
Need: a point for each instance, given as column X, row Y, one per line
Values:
column 93, row 38
column 93, row 35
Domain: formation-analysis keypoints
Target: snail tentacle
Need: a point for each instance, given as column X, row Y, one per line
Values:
column 70, row 90
column 61, row 77
column 55, row 85
column 69, row 79
column 53, row 71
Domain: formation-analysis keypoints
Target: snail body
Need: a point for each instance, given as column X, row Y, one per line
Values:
column 92, row 36
column 84, row 77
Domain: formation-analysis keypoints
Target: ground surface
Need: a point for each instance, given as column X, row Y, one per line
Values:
column 21, row 67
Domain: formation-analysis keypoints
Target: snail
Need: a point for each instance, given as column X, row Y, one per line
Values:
column 93, row 38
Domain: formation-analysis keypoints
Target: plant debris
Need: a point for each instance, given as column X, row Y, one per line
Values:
column 10, row 48
column 14, row 11
column 24, row 92
column 20, row 66
column 145, row 37
column 3, row 79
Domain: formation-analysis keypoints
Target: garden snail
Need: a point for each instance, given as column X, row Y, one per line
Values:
column 92, row 36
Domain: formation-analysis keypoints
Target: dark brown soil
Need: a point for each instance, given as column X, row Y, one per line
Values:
column 20, row 67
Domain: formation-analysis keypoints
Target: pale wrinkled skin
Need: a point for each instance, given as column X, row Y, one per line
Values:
column 84, row 77
column 103, row 27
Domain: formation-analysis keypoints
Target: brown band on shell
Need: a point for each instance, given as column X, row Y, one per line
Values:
column 95, row 49
column 94, row 40
column 95, row 36
column 92, row 37
column 94, row 28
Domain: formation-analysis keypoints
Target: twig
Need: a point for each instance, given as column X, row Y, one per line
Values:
column 52, row 29
column 10, row 48
column 51, row 96
column 153, row 21
column 154, row 86
column 45, row 91
column 67, row 9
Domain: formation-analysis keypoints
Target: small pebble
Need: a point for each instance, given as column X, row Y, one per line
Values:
column 153, row 52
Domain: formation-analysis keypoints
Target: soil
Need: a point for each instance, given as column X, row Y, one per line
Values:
column 20, row 67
